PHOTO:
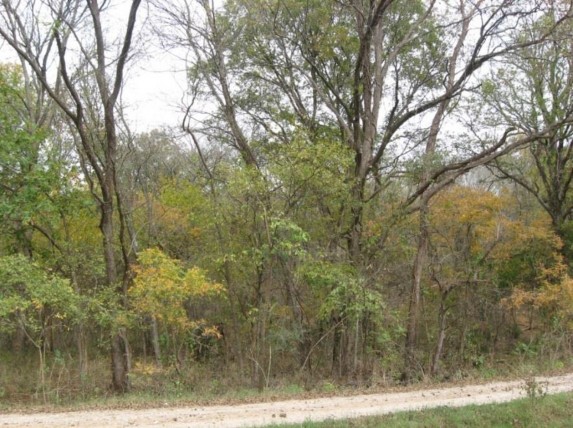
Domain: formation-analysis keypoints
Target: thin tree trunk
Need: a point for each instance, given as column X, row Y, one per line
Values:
column 410, row 362
column 336, row 346
column 423, row 238
column 19, row 336
column 42, row 371
column 442, row 314
column 82, row 352
column 357, row 212
column 155, row 341
column 356, row 347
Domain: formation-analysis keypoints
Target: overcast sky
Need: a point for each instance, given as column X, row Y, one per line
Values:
column 152, row 93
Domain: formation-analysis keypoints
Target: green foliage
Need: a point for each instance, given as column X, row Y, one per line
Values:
column 105, row 308
column 36, row 184
column 288, row 238
column 21, row 139
column 339, row 290
column 31, row 298
column 308, row 162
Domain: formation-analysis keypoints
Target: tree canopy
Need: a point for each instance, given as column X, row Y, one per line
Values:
column 355, row 191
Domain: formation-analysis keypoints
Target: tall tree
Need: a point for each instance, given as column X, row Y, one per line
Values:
column 65, row 45
column 533, row 91
column 372, row 71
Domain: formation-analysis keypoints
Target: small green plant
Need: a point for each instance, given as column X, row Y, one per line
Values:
column 293, row 389
column 525, row 349
column 328, row 387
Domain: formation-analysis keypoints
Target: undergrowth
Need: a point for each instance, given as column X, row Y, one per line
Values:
column 203, row 383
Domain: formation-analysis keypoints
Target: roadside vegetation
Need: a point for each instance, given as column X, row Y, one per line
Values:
column 204, row 387
column 548, row 411
column 358, row 194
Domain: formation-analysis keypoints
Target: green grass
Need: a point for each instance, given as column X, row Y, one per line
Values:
column 548, row 411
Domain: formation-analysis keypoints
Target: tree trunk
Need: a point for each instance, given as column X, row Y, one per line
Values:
column 19, row 337
column 155, row 341
column 336, row 345
column 119, row 347
column 357, row 213
column 119, row 363
column 410, row 363
column 423, row 239
column 441, row 333
column 82, row 352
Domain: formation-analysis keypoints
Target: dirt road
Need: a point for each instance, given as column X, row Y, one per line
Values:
column 293, row 411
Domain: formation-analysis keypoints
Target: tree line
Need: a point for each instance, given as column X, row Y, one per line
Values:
column 356, row 190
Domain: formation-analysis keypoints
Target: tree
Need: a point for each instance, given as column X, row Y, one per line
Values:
column 470, row 231
column 357, row 72
column 162, row 288
column 540, row 295
column 534, row 90
column 25, row 179
column 41, row 197
column 30, row 299
column 89, row 103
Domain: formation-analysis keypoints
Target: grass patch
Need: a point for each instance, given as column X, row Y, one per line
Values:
column 547, row 411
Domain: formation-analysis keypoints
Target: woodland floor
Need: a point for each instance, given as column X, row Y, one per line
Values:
column 293, row 411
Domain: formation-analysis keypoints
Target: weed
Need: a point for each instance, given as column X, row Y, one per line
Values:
column 534, row 389
column 328, row 387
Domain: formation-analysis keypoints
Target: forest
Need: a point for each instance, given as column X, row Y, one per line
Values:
column 356, row 193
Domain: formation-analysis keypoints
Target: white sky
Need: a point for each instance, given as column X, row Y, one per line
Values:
column 154, row 86
column 153, row 93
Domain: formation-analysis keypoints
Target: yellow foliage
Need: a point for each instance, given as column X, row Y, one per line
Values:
column 484, row 220
column 162, row 286
column 145, row 368
column 466, row 212
column 554, row 294
column 518, row 299
column 476, row 234
column 197, row 283
column 212, row 331
column 180, row 211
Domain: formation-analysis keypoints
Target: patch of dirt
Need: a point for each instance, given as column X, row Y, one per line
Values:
column 291, row 411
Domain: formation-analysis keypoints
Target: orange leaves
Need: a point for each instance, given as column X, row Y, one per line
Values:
column 467, row 227
column 551, row 292
column 480, row 237
column 519, row 298
column 487, row 223
column 559, row 298
column 469, row 211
